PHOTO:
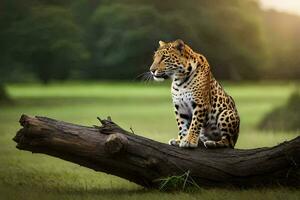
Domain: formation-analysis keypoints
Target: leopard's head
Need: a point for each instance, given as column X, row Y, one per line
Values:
column 170, row 60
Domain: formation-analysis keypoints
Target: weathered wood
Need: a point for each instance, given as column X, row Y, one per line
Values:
column 113, row 150
column 116, row 143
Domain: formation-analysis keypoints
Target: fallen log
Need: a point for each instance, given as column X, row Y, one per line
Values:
column 112, row 150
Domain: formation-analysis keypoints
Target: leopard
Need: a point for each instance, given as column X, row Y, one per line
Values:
column 205, row 113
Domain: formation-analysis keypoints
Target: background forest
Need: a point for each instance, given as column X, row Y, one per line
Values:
column 102, row 39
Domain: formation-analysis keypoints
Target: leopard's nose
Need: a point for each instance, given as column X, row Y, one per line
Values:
column 153, row 68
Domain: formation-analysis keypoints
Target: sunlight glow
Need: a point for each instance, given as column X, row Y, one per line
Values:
column 290, row 6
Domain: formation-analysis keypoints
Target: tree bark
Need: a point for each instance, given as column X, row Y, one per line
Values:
column 112, row 150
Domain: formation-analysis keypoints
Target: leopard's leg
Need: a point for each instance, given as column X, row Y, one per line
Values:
column 197, row 124
column 183, row 123
column 228, row 124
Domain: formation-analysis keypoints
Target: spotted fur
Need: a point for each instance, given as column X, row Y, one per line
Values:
column 204, row 111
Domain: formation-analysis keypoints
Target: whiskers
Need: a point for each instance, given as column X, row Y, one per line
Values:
column 146, row 77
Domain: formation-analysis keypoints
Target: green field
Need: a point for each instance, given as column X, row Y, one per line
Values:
column 147, row 108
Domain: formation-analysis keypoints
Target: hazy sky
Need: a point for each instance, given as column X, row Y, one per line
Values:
column 291, row 6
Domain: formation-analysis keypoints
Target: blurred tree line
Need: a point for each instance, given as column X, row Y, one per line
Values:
column 114, row 39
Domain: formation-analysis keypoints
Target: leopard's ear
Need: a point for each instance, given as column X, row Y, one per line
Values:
column 179, row 44
column 161, row 43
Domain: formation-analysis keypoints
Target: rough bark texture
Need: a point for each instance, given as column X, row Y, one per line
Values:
column 113, row 150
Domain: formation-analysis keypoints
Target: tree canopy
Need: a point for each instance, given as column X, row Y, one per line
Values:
column 100, row 39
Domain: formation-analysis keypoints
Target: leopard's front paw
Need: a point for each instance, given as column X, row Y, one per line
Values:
column 174, row 142
column 209, row 144
column 187, row 142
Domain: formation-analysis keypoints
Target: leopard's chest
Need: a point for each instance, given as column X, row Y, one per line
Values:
column 183, row 99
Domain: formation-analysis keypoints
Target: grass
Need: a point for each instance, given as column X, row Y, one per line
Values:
column 145, row 108
column 182, row 182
